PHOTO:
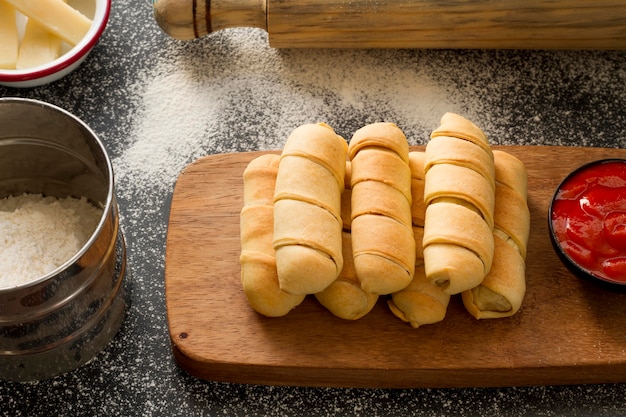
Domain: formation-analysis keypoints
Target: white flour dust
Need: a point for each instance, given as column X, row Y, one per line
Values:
column 248, row 96
column 38, row 234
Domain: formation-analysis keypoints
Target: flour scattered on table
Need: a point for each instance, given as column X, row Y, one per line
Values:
column 198, row 101
column 38, row 234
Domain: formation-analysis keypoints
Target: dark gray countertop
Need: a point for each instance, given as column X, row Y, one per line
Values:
column 159, row 104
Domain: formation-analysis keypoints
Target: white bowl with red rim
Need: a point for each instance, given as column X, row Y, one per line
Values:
column 71, row 57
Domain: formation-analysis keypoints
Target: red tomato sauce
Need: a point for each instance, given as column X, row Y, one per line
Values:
column 589, row 219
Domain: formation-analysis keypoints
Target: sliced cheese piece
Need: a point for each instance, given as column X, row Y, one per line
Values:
column 38, row 46
column 9, row 38
column 55, row 15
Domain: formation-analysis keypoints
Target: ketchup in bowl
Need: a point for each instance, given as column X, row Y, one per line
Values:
column 588, row 221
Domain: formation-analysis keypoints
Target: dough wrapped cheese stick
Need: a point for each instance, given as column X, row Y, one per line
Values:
column 417, row 161
column 461, row 153
column 346, row 200
column 258, row 263
column 460, row 196
column 383, row 245
column 307, row 209
column 421, row 302
column 511, row 173
column 502, row 291
column 38, row 46
column 344, row 297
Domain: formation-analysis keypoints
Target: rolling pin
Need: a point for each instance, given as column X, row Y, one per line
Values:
column 480, row 24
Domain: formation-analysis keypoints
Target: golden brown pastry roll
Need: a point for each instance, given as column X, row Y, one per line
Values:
column 456, row 126
column 317, row 187
column 418, row 205
column 459, row 192
column 384, row 166
column 422, row 301
column 418, row 234
column 319, row 143
column 259, row 179
column 375, row 197
column 258, row 263
column 512, row 217
column 511, row 172
column 255, row 228
column 458, row 247
column 462, row 153
column 463, row 184
column 380, row 135
column 384, row 253
column 502, row 291
column 344, row 297
column 417, row 165
column 307, row 209
column 383, row 245
column 346, row 200
column 513, row 224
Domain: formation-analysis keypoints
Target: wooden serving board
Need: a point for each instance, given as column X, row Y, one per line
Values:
column 567, row 332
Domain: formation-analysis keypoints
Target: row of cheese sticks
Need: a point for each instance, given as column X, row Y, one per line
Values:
column 370, row 241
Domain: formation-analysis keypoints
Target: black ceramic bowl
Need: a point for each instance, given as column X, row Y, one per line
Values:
column 587, row 222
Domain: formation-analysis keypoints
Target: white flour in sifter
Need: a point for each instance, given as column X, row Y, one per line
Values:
column 38, row 234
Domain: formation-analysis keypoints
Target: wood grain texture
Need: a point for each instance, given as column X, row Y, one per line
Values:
column 567, row 332
column 529, row 24
column 534, row 24
column 191, row 19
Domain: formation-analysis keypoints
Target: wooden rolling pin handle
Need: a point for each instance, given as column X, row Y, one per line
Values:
column 190, row 19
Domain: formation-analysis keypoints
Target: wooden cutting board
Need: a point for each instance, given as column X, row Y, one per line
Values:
column 567, row 332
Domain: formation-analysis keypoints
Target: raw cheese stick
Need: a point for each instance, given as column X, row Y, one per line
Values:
column 344, row 297
column 383, row 244
column 258, row 262
column 421, row 302
column 56, row 16
column 459, row 192
column 307, row 209
column 38, row 46
column 9, row 37
column 502, row 291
